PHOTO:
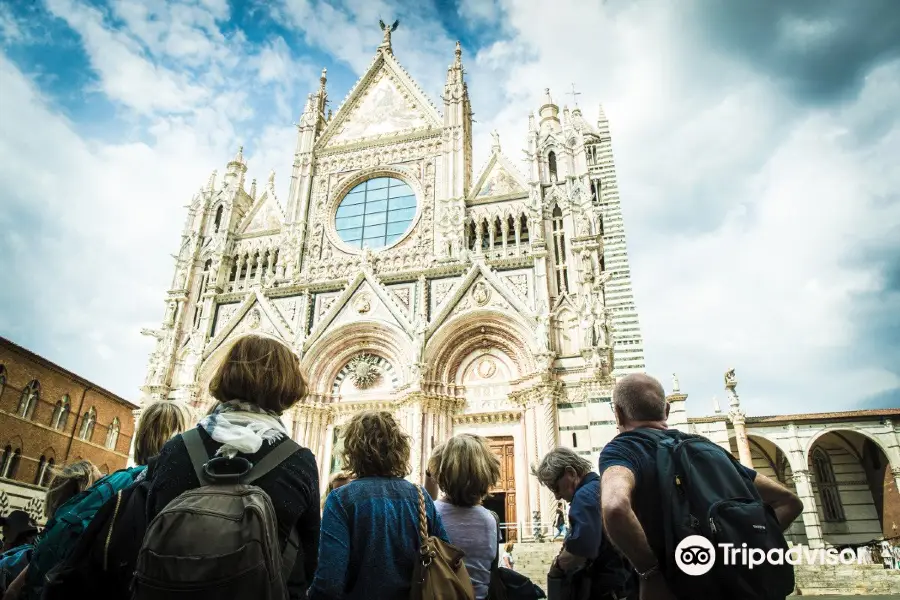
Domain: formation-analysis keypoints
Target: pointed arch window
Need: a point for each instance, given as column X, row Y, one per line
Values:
column 2, row 378
column 47, row 473
column 829, row 493
column 87, row 425
column 112, row 435
column 29, row 399
column 551, row 164
column 218, row 220
column 559, row 251
column 42, row 464
column 60, row 418
column 11, row 459
column 4, row 460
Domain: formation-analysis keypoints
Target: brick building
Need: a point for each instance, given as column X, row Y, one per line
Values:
column 50, row 416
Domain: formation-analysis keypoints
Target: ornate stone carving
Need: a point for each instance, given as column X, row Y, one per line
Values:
column 486, row 368
column 362, row 304
column 364, row 371
column 254, row 318
column 481, row 293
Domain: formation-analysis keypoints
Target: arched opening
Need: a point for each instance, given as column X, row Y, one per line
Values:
column 60, row 418
column 855, row 491
column 89, row 419
column 47, row 473
column 559, row 251
column 29, row 399
column 218, row 220
column 112, row 434
column 551, row 165
column 2, row 378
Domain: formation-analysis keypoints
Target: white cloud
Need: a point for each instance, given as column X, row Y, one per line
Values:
column 480, row 11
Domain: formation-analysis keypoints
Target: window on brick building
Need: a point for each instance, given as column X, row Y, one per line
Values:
column 2, row 378
column 47, row 475
column 112, row 435
column 60, row 417
column 40, row 470
column 11, row 464
column 4, row 460
column 87, row 424
column 29, row 399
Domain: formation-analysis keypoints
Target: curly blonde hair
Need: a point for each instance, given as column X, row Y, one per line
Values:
column 376, row 446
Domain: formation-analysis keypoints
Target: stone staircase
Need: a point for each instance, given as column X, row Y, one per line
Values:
column 533, row 560
column 848, row 580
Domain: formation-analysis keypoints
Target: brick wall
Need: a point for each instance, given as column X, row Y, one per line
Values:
column 35, row 434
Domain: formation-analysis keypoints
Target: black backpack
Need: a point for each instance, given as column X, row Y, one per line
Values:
column 507, row 584
column 704, row 492
column 101, row 565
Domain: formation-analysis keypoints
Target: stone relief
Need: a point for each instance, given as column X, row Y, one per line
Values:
column 384, row 109
column 519, row 283
column 362, row 304
column 481, row 293
column 499, row 182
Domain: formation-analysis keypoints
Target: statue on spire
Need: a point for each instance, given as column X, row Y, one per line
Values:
column 386, row 43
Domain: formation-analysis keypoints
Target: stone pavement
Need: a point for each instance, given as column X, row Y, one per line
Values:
column 819, row 581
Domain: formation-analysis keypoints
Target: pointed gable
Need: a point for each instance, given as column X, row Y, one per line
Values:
column 385, row 102
column 265, row 215
column 499, row 179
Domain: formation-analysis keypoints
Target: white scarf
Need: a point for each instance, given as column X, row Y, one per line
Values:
column 242, row 427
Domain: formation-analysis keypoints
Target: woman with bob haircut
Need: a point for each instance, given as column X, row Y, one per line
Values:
column 259, row 379
column 370, row 527
column 467, row 469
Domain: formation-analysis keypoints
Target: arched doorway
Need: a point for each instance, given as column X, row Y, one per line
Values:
column 855, row 491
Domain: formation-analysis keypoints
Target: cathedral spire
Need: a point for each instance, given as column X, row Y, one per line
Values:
column 602, row 122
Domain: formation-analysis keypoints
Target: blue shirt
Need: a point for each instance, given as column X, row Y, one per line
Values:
column 585, row 524
column 638, row 455
column 370, row 539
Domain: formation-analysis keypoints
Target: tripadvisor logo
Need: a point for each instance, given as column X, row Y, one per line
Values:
column 696, row 555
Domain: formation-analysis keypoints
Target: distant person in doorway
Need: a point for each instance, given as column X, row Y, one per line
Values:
column 560, row 521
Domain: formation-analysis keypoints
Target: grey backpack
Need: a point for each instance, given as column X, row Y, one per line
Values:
column 219, row 540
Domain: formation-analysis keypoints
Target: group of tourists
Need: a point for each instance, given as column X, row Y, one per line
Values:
column 230, row 508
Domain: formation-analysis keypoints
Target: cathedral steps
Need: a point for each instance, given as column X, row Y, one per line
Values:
column 533, row 559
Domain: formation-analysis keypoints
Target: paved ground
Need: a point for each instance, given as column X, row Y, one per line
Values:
column 848, row 597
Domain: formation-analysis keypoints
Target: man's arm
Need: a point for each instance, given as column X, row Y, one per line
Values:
column 620, row 523
column 786, row 504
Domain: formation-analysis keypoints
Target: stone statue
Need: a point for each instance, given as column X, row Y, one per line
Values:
column 388, row 31
column 587, row 327
column 496, row 137
column 675, row 387
column 542, row 332
column 583, row 226
column 730, row 379
column 600, row 332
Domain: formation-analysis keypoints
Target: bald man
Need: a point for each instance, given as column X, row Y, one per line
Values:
column 630, row 494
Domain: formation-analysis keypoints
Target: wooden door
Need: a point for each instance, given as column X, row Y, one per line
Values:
column 504, row 449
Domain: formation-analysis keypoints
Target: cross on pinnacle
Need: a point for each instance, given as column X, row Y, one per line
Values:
column 574, row 95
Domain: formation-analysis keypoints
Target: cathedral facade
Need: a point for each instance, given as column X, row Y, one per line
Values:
column 493, row 301
column 496, row 302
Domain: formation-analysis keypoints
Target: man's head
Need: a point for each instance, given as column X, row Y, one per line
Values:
column 17, row 527
column 561, row 471
column 638, row 401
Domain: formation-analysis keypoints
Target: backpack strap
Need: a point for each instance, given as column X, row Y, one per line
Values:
column 275, row 457
column 197, row 451
column 289, row 556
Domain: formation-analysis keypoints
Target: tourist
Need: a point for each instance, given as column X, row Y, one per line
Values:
column 434, row 463
column 339, row 479
column 19, row 528
column 102, row 563
column 560, row 521
column 258, row 380
column 65, row 484
column 587, row 559
column 466, row 471
column 507, row 560
column 633, row 501
column 370, row 527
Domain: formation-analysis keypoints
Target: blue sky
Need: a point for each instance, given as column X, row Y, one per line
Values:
column 756, row 147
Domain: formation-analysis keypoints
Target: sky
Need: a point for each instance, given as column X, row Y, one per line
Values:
column 757, row 147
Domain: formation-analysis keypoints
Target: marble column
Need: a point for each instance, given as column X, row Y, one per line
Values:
column 803, row 483
column 532, row 450
column 743, row 442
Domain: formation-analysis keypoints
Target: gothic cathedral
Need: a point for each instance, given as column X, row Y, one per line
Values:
column 498, row 304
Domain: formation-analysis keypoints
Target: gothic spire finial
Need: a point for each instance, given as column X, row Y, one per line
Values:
column 212, row 180
column 458, row 53
column 239, row 157
column 495, row 147
column 253, row 189
column 272, row 178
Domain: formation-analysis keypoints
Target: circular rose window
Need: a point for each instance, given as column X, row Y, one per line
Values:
column 376, row 213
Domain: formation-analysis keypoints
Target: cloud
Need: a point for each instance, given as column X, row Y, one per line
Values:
column 755, row 157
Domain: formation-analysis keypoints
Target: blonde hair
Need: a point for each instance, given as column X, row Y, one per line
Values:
column 375, row 446
column 509, row 547
column 434, row 462
column 468, row 469
column 67, row 482
column 160, row 422
column 261, row 371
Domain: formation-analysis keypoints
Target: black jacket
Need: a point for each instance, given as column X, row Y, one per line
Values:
column 293, row 487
